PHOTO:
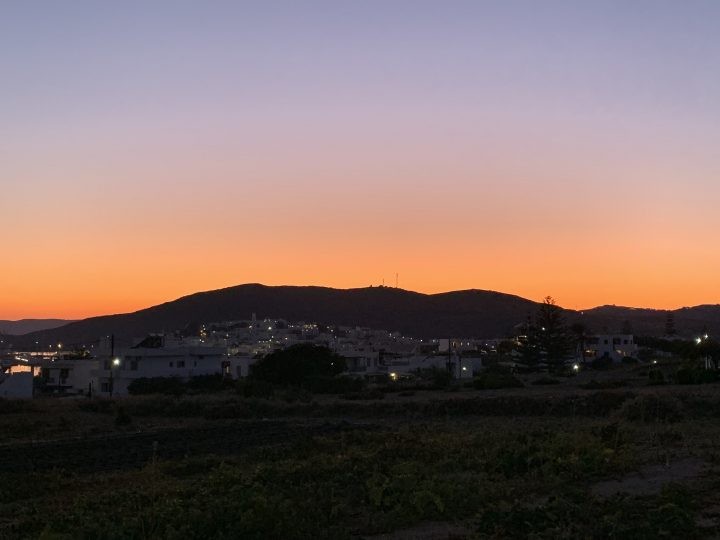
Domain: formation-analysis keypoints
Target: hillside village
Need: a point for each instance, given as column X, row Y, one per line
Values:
column 231, row 349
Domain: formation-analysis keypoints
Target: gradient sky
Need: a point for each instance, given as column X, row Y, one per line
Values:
column 154, row 149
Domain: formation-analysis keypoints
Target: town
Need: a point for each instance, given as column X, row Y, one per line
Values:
column 231, row 349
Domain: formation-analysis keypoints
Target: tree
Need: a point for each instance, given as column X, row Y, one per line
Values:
column 627, row 328
column 548, row 339
column 298, row 364
column 670, row 324
column 580, row 333
column 529, row 350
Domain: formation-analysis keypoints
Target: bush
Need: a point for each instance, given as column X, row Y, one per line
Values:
column 604, row 362
column 156, row 385
column 441, row 378
column 297, row 364
column 96, row 405
column 255, row 388
column 656, row 377
column 652, row 408
column 694, row 375
column 364, row 395
column 333, row 385
column 12, row 406
column 545, row 381
column 493, row 380
column 603, row 385
column 208, row 383
column 122, row 418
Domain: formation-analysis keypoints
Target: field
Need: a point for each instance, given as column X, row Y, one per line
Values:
column 601, row 455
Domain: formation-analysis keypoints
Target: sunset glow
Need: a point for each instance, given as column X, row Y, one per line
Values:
column 165, row 148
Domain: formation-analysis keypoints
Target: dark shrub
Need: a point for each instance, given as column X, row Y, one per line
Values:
column 366, row 394
column 333, row 385
column 208, row 383
column 694, row 375
column 255, row 388
column 492, row 380
column 545, row 381
column 653, row 408
column 8, row 406
column 157, row 385
column 297, row 364
column 122, row 418
column 604, row 362
column 441, row 378
column 603, row 385
column 656, row 377
column 96, row 405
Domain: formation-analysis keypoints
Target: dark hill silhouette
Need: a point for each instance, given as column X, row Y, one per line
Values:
column 689, row 321
column 470, row 313
column 460, row 313
column 25, row 326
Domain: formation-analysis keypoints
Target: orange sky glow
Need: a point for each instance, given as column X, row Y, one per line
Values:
column 149, row 153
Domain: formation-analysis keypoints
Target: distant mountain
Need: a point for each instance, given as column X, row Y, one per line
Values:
column 470, row 313
column 25, row 326
column 459, row 314
column 688, row 321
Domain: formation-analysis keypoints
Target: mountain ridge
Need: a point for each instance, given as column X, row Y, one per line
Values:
column 25, row 326
column 464, row 313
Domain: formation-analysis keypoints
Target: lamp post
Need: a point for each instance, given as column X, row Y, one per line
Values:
column 114, row 363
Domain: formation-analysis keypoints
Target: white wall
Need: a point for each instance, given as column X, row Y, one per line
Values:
column 16, row 386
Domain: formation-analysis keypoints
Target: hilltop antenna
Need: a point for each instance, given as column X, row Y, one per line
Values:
column 397, row 277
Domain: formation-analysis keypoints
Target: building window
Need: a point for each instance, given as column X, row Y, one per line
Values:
column 105, row 387
column 181, row 363
column 171, row 364
column 133, row 365
column 195, row 363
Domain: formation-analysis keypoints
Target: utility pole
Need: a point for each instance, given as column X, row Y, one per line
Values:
column 112, row 361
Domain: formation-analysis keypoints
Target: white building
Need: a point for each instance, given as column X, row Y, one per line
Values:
column 16, row 385
column 157, row 356
column 68, row 376
column 614, row 346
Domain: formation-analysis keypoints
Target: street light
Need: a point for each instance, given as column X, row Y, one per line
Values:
column 115, row 362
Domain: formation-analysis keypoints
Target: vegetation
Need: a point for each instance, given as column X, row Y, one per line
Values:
column 496, row 379
column 548, row 341
column 267, row 460
column 299, row 365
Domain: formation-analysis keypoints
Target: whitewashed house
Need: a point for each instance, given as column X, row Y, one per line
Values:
column 157, row 356
column 614, row 346
column 16, row 385
column 68, row 376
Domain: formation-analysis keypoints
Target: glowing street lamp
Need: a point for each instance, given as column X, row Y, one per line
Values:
column 115, row 363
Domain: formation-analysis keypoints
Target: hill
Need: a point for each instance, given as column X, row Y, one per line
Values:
column 25, row 326
column 469, row 313
column 689, row 321
column 459, row 313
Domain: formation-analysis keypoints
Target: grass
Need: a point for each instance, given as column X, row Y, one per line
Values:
column 509, row 463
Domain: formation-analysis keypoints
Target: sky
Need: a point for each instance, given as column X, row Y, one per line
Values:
column 150, row 150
